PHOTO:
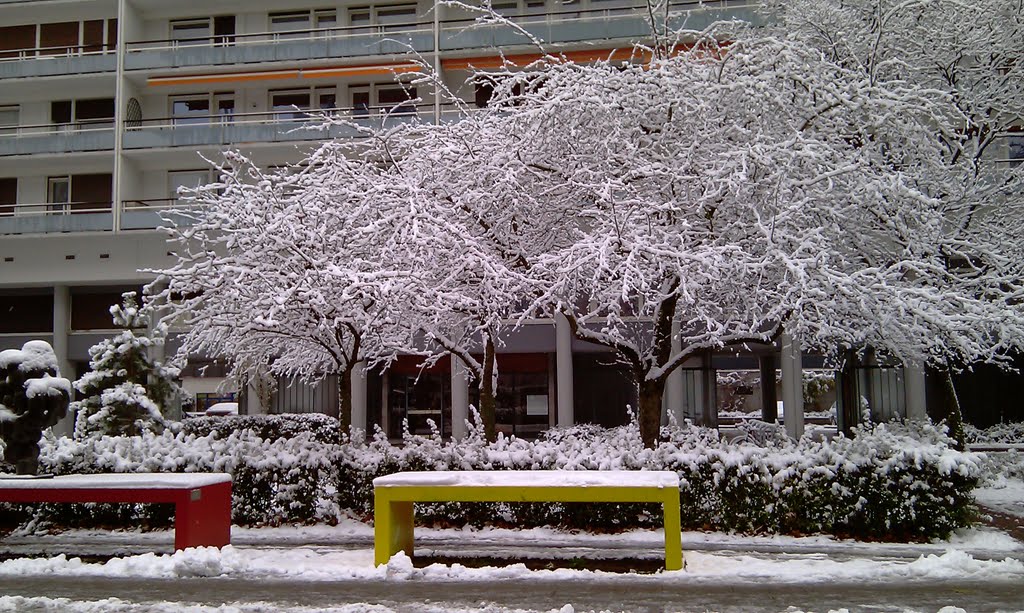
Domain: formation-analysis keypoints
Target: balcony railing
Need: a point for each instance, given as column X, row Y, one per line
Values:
column 287, row 36
column 48, row 218
column 78, row 136
column 268, row 127
column 56, row 217
column 54, row 61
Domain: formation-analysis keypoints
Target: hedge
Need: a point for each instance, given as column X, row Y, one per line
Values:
column 891, row 481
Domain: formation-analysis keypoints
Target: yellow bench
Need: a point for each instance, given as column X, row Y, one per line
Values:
column 395, row 494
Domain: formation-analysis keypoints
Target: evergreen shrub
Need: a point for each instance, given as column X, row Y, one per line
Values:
column 892, row 481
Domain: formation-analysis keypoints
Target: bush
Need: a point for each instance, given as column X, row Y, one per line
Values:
column 891, row 481
column 321, row 428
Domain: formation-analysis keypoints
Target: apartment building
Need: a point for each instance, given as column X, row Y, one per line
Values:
column 108, row 106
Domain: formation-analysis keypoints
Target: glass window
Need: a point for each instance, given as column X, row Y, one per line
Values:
column 191, row 31
column 326, row 98
column 326, row 18
column 58, row 193
column 397, row 17
column 190, row 110
column 359, row 17
column 289, row 104
column 8, row 195
column 397, row 99
column 8, row 119
column 188, row 179
column 225, row 105
column 360, row 101
column 1015, row 149
column 290, row 25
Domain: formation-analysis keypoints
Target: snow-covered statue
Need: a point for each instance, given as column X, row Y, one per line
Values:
column 33, row 397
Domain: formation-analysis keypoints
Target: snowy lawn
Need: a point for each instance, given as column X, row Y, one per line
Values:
column 1003, row 495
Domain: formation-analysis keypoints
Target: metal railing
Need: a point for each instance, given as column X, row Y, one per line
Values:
column 568, row 13
column 55, row 208
column 312, row 34
column 294, row 118
column 49, row 129
column 62, row 51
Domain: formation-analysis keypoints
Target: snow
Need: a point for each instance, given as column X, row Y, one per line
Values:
column 533, row 478
column 33, row 356
column 702, row 567
column 1003, row 495
column 128, row 481
column 48, row 386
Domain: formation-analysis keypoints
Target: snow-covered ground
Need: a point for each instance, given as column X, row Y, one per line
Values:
column 326, row 555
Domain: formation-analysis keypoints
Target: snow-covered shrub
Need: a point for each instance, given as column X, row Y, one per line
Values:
column 125, row 390
column 998, row 434
column 321, row 428
column 890, row 481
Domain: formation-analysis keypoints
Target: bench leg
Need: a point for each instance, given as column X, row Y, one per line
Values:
column 673, row 535
column 392, row 529
column 202, row 517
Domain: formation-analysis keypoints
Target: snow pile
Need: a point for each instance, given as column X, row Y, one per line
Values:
column 891, row 481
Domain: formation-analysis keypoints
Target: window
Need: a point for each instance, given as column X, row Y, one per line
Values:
column 187, row 179
column 8, row 195
column 58, row 194
column 8, row 119
column 386, row 97
column 191, row 31
column 198, row 30
column 296, row 103
column 1015, row 149
column 196, row 108
column 386, row 18
column 290, row 25
column 82, row 114
column 58, row 38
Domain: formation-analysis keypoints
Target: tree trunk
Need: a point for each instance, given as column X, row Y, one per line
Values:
column 948, row 409
column 487, row 401
column 345, row 399
column 650, row 410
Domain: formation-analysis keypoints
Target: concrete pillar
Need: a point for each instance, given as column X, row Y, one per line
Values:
column 359, row 396
column 460, row 398
column 706, row 392
column 914, row 383
column 674, row 393
column 563, row 370
column 791, row 363
column 61, row 328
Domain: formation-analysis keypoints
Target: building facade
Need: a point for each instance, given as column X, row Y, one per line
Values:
column 107, row 107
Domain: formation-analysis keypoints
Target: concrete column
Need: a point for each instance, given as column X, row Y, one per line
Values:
column 563, row 369
column 674, row 401
column 252, row 399
column 460, row 398
column 914, row 383
column 791, row 363
column 706, row 392
column 359, row 396
column 61, row 328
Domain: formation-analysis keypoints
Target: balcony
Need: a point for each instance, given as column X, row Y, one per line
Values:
column 85, row 216
column 351, row 41
column 49, row 218
column 571, row 26
column 81, row 136
column 274, row 127
column 56, row 61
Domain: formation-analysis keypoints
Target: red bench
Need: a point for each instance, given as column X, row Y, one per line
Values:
column 202, row 501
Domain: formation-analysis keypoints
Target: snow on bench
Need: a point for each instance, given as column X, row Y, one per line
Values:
column 395, row 494
column 202, row 501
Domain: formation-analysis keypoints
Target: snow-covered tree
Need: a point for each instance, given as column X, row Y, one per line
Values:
column 741, row 190
column 281, row 268
column 125, row 391
column 966, row 56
